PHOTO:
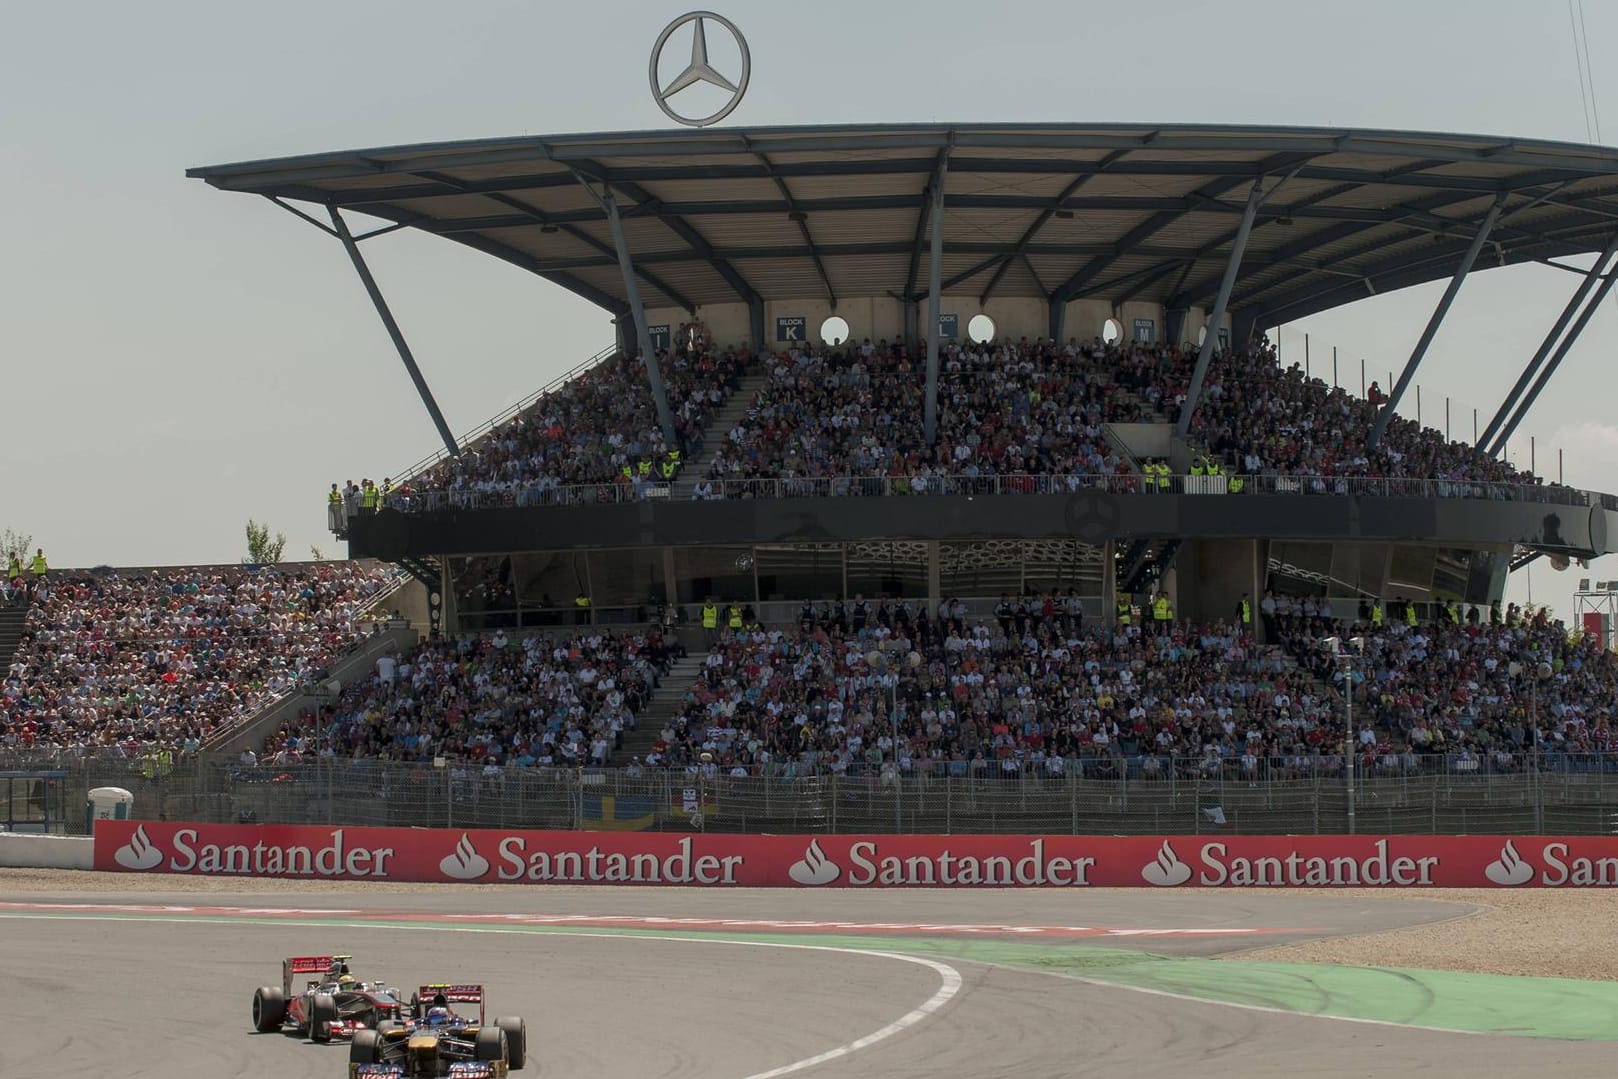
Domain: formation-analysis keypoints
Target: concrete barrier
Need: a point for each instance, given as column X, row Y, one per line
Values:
column 46, row 851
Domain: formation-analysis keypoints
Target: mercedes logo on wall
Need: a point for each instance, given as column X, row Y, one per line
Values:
column 699, row 70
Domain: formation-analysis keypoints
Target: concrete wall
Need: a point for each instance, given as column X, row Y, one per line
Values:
column 880, row 318
column 46, row 851
column 1144, row 439
column 1213, row 575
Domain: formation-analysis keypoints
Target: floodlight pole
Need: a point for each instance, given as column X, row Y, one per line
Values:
column 340, row 229
column 935, row 274
column 1210, row 335
column 1553, row 363
column 1545, row 346
column 1385, row 416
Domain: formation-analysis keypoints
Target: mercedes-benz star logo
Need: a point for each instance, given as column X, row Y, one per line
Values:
column 699, row 70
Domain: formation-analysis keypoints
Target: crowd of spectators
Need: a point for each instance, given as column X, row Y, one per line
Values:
column 1029, row 409
column 491, row 701
column 154, row 661
column 1263, row 419
column 1036, row 694
column 600, row 428
column 1480, row 691
column 1035, row 409
column 836, row 419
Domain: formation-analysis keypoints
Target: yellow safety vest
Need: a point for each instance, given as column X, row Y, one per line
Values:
column 1410, row 614
column 1247, row 613
column 669, row 468
column 645, row 468
column 14, row 569
column 710, row 617
column 38, row 566
column 1124, row 614
column 581, row 601
column 735, row 618
column 1198, row 468
column 335, row 498
column 1160, row 610
column 1235, row 485
column 368, row 498
column 1376, row 614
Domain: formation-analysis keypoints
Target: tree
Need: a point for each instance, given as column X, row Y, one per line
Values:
column 261, row 549
column 18, row 545
column 317, row 554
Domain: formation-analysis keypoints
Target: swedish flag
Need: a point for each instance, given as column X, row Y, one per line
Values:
column 606, row 813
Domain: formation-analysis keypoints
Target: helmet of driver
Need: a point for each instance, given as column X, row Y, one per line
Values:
column 437, row 1016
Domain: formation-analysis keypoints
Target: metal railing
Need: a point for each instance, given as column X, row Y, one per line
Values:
column 921, row 486
column 1567, row 793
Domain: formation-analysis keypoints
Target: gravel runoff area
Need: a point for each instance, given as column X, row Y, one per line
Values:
column 1543, row 932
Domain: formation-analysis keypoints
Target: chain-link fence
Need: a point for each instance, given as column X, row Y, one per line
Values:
column 1182, row 799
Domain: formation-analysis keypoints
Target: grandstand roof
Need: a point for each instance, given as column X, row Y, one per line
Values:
column 1113, row 212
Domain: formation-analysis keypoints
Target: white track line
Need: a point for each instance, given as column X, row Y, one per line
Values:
column 950, row 978
column 950, row 985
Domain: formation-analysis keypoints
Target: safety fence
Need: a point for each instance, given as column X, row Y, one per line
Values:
column 550, row 494
column 1177, row 800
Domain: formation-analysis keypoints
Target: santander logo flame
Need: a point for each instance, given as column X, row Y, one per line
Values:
column 814, row 868
column 139, row 853
column 1166, row 870
column 1510, row 869
column 464, row 862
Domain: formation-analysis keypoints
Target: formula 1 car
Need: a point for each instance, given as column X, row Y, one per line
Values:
column 333, row 1005
column 435, row 1042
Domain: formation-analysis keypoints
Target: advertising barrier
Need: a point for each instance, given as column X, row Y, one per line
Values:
column 492, row 856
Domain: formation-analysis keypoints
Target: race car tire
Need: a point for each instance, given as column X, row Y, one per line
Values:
column 322, row 1014
column 516, row 1039
column 490, row 1044
column 366, row 1048
column 269, row 1009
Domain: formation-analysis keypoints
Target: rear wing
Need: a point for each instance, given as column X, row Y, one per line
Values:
column 452, row 994
column 311, row 964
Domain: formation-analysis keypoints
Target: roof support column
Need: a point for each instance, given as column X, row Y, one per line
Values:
column 1058, row 320
column 935, row 275
column 1385, row 416
column 654, row 372
column 1545, row 346
column 1210, row 336
column 755, row 325
column 1555, row 361
column 399, row 343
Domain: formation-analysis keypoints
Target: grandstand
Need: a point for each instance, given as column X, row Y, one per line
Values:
column 1049, row 342
column 995, row 397
column 160, row 664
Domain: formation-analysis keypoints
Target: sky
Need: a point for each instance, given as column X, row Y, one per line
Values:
column 179, row 359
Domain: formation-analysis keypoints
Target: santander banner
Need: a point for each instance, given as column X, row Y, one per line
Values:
column 855, row 861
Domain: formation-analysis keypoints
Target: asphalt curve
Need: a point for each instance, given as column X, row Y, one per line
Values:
column 166, row 992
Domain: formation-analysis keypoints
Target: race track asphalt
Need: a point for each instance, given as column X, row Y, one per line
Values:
column 719, row 986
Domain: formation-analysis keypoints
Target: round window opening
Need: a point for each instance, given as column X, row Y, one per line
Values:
column 1111, row 331
column 834, row 331
column 981, row 329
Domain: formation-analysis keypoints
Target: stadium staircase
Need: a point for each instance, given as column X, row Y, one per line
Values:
column 718, row 429
column 664, row 706
column 1143, row 563
column 12, row 622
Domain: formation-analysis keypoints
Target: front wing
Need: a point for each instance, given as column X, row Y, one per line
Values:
column 463, row 1069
